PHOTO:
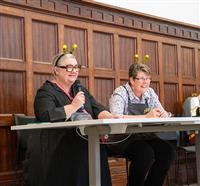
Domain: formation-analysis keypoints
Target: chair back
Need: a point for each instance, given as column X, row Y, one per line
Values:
column 22, row 136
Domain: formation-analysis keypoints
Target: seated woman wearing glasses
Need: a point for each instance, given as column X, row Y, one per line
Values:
column 59, row 157
column 150, row 156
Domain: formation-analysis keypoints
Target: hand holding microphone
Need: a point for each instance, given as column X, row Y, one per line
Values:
column 79, row 100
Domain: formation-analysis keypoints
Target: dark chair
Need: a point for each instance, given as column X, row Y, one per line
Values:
column 22, row 139
column 173, row 139
column 184, row 150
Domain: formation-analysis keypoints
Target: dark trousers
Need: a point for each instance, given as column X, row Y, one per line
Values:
column 150, row 160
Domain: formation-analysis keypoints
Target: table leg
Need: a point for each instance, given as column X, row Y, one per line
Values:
column 94, row 160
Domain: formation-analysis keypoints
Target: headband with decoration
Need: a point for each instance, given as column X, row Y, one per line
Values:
column 64, row 52
column 71, row 50
column 145, row 59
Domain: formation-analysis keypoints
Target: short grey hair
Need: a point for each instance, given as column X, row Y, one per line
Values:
column 61, row 57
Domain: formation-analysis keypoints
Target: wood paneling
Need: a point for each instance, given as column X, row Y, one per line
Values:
column 12, row 34
column 188, row 90
column 77, row 36
column 123, row 81
column 150, row 48
column 103, row 90
column 84, row 82
column 8, row 150
column 45, row 41
column 171, row 97
column 12, row 86
column 127, row 51
column 103, row 50
column 39, row 79
column 155, row 86
column 188, row 63
column 170, row 60
column 90, row 10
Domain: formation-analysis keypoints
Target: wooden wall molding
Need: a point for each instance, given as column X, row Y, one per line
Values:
column 93, row 11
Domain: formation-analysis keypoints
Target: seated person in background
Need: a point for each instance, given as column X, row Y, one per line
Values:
column 191, row 108
column 59, row 157
column 191, row 104
column 150, row 156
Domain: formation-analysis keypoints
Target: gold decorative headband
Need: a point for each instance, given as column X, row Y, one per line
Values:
column 145, row 59
column 71, row 50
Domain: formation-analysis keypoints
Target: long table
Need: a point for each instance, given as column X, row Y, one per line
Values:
column 95, row 128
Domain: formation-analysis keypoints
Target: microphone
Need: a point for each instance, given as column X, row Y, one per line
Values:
column 78, row 85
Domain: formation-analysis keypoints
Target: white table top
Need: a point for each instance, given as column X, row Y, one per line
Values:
column 112, row 123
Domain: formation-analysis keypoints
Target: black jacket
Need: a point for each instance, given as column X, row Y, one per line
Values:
column 59, row 157
column 50, row 101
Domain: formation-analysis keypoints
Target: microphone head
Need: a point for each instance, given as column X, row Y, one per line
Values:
column 78, row 85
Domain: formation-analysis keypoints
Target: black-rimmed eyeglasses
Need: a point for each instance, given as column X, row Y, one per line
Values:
column 70, row 68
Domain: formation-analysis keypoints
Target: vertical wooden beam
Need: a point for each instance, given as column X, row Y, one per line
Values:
column 197, row 67
column 139, row 45
column 29, row 64
column 160, row 72
column 116, row 64
column 90, row 59
column 60, row 37
column 180, row 80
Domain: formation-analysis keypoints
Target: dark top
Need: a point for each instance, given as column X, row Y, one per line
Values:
column 59, row 157
column 50, row 101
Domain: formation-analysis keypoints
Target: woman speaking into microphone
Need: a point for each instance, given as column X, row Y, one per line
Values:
column 59, row 157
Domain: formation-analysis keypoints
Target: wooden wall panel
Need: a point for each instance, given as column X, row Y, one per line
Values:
column 123, row 81
column 199, row 54
column 84, row 81
column 45, row 41
column 103, row 50
column 12, row 42
column 150, row 48
column 188, row 90
column 155, row 86
column 127, row 51
column 77, row 36
column 170, row 60
column 13, row 91
column 188, row 62
column 103, row 90
column 8, row 150
column 39, row 79
column 171, row 97
column 93, row 11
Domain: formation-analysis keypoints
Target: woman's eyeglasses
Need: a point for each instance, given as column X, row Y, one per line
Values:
column 70, row 68
column 143, row 79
